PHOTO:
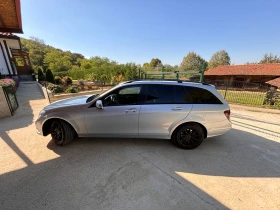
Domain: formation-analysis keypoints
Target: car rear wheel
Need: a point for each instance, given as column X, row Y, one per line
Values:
column 62, row 133
column 189, row 136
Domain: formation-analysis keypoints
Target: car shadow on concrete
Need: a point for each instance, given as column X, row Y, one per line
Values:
column 140, row 173
column 235, row 154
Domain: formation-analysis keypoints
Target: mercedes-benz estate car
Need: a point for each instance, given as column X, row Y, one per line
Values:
column 185, row 112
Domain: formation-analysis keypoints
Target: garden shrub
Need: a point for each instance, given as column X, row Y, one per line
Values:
column 89, row 86
column 57, row 80
column 49, row 76
column 66, row 80
column 55, row 88
column 72, row 89
column 41, row 76
column 9, row 83
column 81, row 82
column 270, row 96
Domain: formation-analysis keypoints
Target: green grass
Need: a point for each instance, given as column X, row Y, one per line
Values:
column 244, row 97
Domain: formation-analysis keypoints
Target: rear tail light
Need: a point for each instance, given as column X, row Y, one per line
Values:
column 227, row 114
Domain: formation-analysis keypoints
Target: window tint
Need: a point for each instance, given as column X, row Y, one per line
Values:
column 201, row 96
column 130, row 91
column 159, row 94
column 124, row 96
column 181, row 96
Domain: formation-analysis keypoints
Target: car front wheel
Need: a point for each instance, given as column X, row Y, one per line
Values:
column 189, row 136
column 62, row 133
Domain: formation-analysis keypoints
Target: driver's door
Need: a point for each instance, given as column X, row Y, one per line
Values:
column 119, row 116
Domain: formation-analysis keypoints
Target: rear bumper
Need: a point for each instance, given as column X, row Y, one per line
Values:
column 218, row 128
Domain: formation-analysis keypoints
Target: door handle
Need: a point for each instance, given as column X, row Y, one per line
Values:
column 176, row 108
column 129, row 110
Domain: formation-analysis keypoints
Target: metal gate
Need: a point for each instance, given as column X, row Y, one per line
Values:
column 10, row 94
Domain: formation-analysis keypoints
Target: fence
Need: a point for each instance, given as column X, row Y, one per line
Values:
column 254, row 94
column 10, row 95
column 174, row 74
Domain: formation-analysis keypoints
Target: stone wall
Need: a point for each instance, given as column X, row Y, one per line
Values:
column 47, row 93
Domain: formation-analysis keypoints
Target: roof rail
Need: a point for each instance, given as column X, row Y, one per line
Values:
column 174, row 80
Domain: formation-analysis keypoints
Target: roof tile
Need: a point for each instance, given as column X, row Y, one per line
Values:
column 274, row 82
column 272, row 69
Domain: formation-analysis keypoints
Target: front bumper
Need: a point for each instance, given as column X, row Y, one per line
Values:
column 39, row 126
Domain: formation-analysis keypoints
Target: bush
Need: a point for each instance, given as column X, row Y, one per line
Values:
column 270, row 96
column 41, row 76
column 9, row 83
column 66, row 80
column 81, row 82
column 55, row 88
column 49, row 76
column 57, row 80
column 72, row 89
column 89, row 86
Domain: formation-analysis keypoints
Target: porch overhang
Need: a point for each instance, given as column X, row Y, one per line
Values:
column 10, row 16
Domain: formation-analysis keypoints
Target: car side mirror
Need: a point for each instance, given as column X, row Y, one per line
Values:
column 99, row 104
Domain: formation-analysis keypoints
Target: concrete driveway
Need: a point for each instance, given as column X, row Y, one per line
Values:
column 240, row 170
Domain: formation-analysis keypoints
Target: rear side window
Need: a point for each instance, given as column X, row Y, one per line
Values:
column 181, row 96
column 201, row 96
column 159, row 94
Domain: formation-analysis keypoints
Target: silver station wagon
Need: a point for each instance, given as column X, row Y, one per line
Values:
column 185, row 112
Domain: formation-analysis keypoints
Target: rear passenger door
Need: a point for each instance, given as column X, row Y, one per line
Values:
column 162, row 107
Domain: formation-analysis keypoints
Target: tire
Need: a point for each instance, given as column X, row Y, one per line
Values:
column 188, row 136
column 62, row 133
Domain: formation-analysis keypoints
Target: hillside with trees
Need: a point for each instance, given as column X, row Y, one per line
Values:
column 61, row 63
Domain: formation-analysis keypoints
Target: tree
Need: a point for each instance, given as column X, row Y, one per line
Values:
column 37, row 50
column 131, row 71
column 57, row 61
column 220, row 58
column 192, row 62
column 168, row 67
column 155, row 62
column 146, row 65
column 270, row 58
column 49, row 76
column 41, row 76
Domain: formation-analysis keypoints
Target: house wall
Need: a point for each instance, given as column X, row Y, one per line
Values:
column 5, row 67
column 254, row 79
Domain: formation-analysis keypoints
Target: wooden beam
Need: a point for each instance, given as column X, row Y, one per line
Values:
column 29, row 61
column 18, row 12
column 8, row 37
column 5, row 58
column 2, row 21
column 12, row 30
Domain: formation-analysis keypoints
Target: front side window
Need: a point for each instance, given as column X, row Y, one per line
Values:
column 123, row 96
column 159, row 94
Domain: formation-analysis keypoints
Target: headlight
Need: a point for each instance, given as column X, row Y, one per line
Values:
column 41, row 113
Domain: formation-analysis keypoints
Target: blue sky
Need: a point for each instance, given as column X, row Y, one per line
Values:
column 139, row 30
